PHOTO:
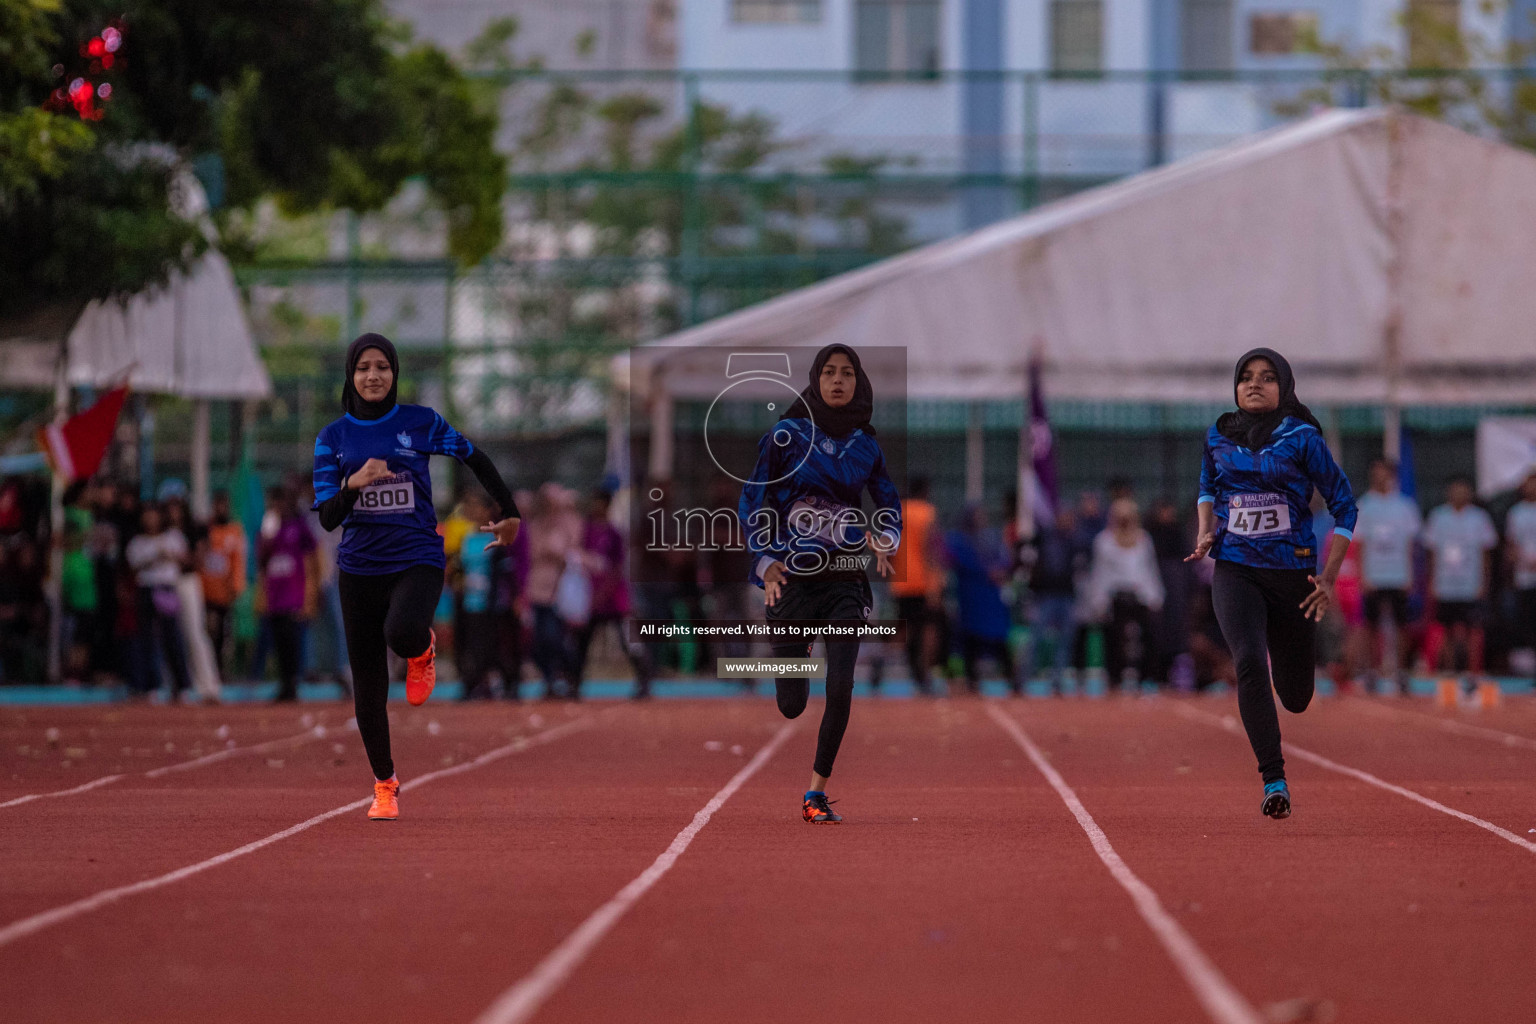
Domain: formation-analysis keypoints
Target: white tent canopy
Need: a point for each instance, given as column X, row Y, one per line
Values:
column 1390, row 257
column 190, row 339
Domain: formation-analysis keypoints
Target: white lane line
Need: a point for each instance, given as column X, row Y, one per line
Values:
column 316, row 732
column 313, row 733
column 104, row 780
column 523, row 999
column 37, row 922
column 1481, row 732
column 1222, row 1002
column 1231, row 724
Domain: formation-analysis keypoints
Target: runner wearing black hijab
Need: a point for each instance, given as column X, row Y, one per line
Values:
column 371, row 476
column 1262, row 462
column 810, row 541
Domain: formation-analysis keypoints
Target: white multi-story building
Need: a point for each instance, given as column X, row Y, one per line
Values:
column 874, row 98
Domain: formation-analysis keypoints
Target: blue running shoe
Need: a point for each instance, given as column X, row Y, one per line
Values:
column 1277, row 800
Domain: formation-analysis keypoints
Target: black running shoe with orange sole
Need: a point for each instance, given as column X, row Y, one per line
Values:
column 817, row 810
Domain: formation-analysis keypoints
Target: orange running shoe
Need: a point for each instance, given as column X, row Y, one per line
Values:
column 421, row 673
column 386, row 803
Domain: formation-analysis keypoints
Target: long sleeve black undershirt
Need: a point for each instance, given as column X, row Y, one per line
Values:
column 485, row 471
column 335, row 509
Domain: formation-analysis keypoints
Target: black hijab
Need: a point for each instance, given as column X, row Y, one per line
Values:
column 1252, row 430
column 842, row 421
column 353, row 402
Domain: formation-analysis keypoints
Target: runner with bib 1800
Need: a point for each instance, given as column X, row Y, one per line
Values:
column 371, row 476
column 1262, row 462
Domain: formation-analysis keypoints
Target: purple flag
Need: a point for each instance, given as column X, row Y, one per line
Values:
column 1042, row 446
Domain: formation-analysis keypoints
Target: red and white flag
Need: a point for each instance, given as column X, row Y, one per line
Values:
column 75, row 447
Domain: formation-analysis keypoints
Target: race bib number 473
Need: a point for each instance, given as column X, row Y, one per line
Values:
column 1259, row 515
column 388, row 494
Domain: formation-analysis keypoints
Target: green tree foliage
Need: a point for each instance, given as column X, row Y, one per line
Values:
column 320, row 103
column 1442, row 71
column 658, row 217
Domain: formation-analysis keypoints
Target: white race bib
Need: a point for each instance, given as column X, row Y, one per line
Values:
column 390, row 494
column 1259, row 515
column 822, row 519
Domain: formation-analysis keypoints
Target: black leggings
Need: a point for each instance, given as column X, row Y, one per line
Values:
column 824, row 601
column 393, row 610
column 1260, row 615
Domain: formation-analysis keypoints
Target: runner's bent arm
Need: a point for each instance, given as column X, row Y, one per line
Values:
column 333, row 497
column 445, row 440
column 1331, row 482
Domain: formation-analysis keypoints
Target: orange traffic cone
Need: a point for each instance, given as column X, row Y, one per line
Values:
column 1488, row 694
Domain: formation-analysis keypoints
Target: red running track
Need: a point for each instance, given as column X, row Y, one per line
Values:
column 529, row 877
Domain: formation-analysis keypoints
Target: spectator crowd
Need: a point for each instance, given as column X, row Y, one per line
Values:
column 157, row 599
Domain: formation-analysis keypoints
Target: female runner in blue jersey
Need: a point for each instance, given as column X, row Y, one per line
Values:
column 371, row 476
column 800, row 513
column 1261, row 463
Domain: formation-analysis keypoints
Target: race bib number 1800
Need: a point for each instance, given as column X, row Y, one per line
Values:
column 389, row 494
column 1259, row 515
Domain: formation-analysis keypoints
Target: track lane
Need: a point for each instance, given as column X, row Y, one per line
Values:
column 59, row 851
column 421, row 919
column 49, row 751
column 991, row 906
column 1363, row 904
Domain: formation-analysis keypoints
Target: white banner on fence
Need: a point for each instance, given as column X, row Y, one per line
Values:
column 1506, row 453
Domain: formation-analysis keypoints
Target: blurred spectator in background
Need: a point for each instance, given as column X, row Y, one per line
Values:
column 1125, row 591
column 1207, row 647
column 105, row 551
column 1053, row 593
column 289, row 572
column 1385, row 535
column 223, row 572
column 554, row 541
column 917, row 582
column 602, row 548
column 1520, row 531
column 78, row 585
column 327, row 616
column 12, row 514
column 157, row 557
column 23, row 613
column 1171, row 541
column 981, row 566
column 201, row 661
column 1090, row 518
column 473, row 571
column 653, row 589
column 724, row 573
column 511, row 604
column 1460, row 539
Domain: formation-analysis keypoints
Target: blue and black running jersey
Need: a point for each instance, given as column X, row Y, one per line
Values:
column 393, row 526
column 1263, row 499
column 800, row 505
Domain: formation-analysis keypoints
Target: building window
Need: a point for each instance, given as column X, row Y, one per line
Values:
column 775, row 12
column 1434, row 33
column 1206, row 35
column 896, row 36
column 1279, row 33
column 1077, row 35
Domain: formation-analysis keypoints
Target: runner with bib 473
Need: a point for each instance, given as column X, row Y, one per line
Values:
column 1262, row 462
